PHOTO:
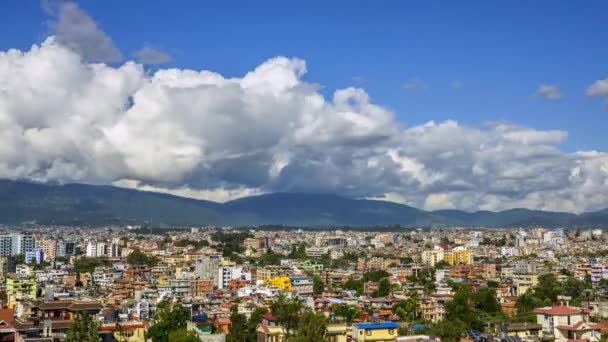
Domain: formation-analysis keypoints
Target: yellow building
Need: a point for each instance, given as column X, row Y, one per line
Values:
column 337, row 333
column 48, row 246
column 385, row 331
column 458, row 255
column 125, row 331
column 283, row 283
column 20, row 289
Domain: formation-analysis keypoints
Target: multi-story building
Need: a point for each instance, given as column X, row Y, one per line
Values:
column 16, row 243
column 8, row 265
column 434, row 256
column 302, row 285
column 458, row 255
column 91, row 251
column 567, row 323
column 509, row 251
column 598, row 272
column 48, row 247
column 207, row 267
column 6, row 245
column 523, row 282
column 375, row 263
column 200, row 288
column 20, row 289
column 36, row 255
column 385, row 331
column 65, row 248
column 227, row 273
column 316, row 252
column 23, row 243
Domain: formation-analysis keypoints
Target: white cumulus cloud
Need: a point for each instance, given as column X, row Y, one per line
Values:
column 549, row 92
column 201, row 134
column 599, row 88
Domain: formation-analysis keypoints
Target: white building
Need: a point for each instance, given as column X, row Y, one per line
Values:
column 227, row 273
column 16, row 243
column 567, row 323
column 509, row 251
column 91, row 249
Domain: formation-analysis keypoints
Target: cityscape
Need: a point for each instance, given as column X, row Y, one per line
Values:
column 312, row 171
column 274, row 284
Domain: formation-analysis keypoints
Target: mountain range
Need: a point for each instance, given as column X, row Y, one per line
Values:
column 81, row 204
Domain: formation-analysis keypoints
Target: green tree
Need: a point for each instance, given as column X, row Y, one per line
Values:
column 254, row 320
column 485, row 300
column 384, row 288
column 84, row 329
column 348, row 312
column 461, row 308
column 238, row 328
column 166, row 320
column 88, row 265
column 355, row 285
column 270, row 258
column 183, row 335
column 407, row 309
column 298, row 251
column 448, row 330
column 375, row 275
column 317, row 285
column 287, row 312
column 140, row 258
column 311, row 328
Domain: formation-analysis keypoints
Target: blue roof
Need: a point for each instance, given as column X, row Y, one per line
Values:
column 383, row 325
column 418, row 326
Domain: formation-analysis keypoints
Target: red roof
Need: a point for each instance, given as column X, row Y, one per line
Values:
column 7, row 315
column 268, row 317
column 443, row 246
column 559, row 310
column 579, row 340
column 126, row 326
column 222, row 320
column 578, row 326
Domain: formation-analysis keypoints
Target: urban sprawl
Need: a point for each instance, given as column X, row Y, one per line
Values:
column 132, row 284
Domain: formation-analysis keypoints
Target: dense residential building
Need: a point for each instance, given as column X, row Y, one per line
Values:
column 417, row 270
column 375, row 331
column 566, row 323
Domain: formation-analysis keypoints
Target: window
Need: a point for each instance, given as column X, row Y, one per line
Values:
column 391, row 331
column 368, row 332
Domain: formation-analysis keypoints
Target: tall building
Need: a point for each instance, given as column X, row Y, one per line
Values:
column 36, row 255
column 6, row 245
column 435, row 255
column 102, row 249
column 228, row 273
column 458, row 255
column 16, row 243
column 22, row 243
column 91, row 249
column 8, row 265
column 65, row 248
column 48, row 246
column 208, row 267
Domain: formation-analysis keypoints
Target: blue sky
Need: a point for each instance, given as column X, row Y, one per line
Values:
column 471, row 102
column 500, row 52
